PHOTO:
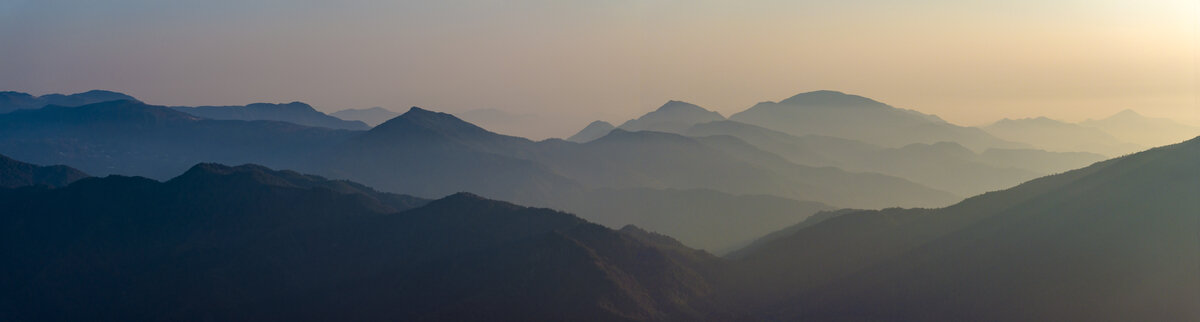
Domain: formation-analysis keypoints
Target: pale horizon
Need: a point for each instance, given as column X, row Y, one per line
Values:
column 971, row 64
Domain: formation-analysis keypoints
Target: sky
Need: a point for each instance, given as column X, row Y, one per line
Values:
column 571, row 62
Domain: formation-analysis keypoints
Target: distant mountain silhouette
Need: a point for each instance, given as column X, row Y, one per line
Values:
column 235, row 243
column 1130, row 126
column 1113, row 241
column 132, row 138
column 624, row 159
column 15, row 173
column 593, row 131
column 431, row 154
column 294, row 112
column 944, row 165
column 371, row 116
column 12, row 101
column 674, row 116
column 859, row 118
column 1061, row 136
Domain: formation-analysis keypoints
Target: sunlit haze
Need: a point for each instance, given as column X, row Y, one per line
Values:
column 970, row 62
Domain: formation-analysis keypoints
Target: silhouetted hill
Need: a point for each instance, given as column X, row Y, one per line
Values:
column 430, row 153
column 128, row 137
column 1130, row 126
column 767, row 239
column 1061, row 136
column 1113, row 241
column 674, row 116
column 249, row 243
column 371, row 116
column 420, row 126
column 294, row 112
column 12, row 101
column 855, row 117
column 594, row 130
column 15, row 173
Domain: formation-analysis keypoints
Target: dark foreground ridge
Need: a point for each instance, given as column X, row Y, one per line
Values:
column 250, row 243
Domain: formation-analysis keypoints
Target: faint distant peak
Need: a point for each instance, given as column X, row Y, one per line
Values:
column 681, row 107
column 592, row 131
column 673, row 116
column 600, row 124
column 828, row 98
column 674, row 105
column 1040, row 120
column 376, row 109
column 1127, row 114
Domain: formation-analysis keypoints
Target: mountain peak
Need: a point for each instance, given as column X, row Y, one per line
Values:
column 424, row 118
column 674, row 116
column 592, row 131
column 674, row 105
column 428, row 127
column 828, row 98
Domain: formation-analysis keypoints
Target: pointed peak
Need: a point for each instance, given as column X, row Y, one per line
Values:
column 592, row 131
column 675, row 105
column 429, row 125
column 418, row 110
column 424, row 116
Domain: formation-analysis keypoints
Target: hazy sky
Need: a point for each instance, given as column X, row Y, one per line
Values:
column 970, row 62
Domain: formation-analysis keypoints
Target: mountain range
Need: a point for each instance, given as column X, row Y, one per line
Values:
column 832, row 113
column 294, row 112
column 680, row 156
column 427, row 154
column 945, row 165
column 1054, row 135
column 12, row 101
column 1130, row 126
column 1112, row 241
